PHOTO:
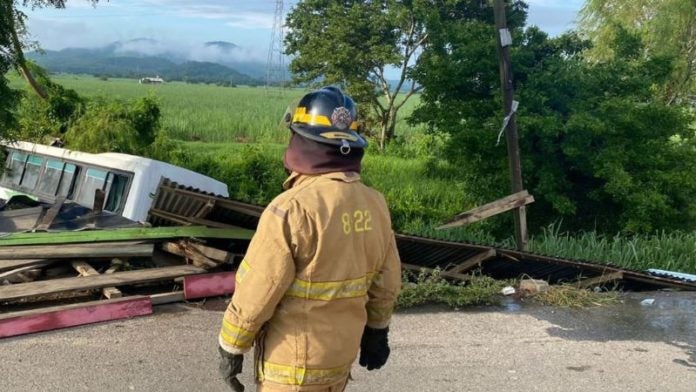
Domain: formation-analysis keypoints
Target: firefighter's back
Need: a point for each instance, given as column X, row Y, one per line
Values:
column 343, row 234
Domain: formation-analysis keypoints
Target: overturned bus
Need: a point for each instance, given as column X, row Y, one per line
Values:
column 46, row 174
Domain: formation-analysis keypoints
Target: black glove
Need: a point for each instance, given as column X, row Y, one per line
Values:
column 374, row 348
column 230, row 367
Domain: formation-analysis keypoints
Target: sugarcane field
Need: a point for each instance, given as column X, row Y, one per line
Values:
column 324, row 196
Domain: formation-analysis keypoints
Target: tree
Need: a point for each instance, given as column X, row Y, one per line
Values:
column 13, row 31
column 116, row 127
column 598, row 149
column 13, row 43
column 43, row 119
column 8, row 97
column 666, row 28
column 354, row 43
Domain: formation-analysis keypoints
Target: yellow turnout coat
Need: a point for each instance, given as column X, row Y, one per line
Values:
column 322, row 265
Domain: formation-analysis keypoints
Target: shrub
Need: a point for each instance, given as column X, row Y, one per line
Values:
column 430, row 288
column 115, row 127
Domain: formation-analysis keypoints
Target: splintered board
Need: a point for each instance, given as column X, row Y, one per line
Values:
column 24, row 290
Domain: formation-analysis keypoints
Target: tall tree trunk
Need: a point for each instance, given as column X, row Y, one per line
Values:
column 392, row 123
column 387, row 125
column 21, row 61
column 384, row 125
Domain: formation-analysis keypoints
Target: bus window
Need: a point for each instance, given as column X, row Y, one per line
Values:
column 67, row 182
column 15, row 168
column 31, row 172
column 116, row 185
column 51, row 177
column 94, row 179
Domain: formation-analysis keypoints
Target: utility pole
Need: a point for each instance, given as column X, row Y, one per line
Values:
column 510, row 125
column 275, row 67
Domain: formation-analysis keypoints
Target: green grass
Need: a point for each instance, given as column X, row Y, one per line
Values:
column 209, row 113
column 675, row 251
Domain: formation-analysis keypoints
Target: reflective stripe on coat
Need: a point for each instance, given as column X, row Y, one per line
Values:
column 322, row 265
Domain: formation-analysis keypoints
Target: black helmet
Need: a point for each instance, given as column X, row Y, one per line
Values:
column 330, row 117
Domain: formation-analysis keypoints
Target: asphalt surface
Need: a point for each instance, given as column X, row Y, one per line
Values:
column 514, row 347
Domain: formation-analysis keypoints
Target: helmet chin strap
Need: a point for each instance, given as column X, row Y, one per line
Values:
column 345, row 147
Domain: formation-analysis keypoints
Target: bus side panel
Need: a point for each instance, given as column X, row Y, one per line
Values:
column 145, row 182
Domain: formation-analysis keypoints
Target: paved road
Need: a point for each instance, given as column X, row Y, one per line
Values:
column 515, row 347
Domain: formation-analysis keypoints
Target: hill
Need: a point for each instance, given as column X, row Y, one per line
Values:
column 146, row 57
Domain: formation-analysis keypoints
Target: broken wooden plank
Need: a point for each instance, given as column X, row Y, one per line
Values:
column 46, row 319
column 94, row 250
column 210, row 252
column 209, row 285
column 180, row 220
column 516, row 200
column 116, row 264
column 205, row 210
column 86, row 270
column 167, row 298
column 17, row 291
column 444, row 274
column 124, row 234
column 27, row 274
column 9, row 274
column 197, row 259
column 601, row 279
column 50, row 215
column 12, row 264
column 472, row 262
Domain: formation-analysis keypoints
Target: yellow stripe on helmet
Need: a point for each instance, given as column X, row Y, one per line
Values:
column 302, row 117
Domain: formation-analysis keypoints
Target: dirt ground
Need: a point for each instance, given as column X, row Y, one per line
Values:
column 513, row 347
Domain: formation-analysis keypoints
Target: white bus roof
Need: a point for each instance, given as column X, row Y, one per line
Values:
column 129, row 163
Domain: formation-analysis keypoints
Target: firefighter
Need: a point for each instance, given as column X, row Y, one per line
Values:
column 322, row 272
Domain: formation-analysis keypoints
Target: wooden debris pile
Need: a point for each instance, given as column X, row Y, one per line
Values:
column 67, row 271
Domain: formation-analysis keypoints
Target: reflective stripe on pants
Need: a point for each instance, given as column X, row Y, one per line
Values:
column 271, row 387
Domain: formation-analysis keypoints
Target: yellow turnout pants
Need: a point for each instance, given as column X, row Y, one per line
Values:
column 340, row 387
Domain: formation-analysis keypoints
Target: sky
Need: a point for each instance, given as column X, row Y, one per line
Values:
column 188, row 23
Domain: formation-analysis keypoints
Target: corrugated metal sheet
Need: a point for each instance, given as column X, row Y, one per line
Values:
column 188, row 206
column 671, row 274
column 71, row 216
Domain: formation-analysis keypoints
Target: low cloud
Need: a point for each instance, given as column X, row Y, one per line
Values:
column 192, row 51
column 53, row 34
column 144, row 46
column 218, row 55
